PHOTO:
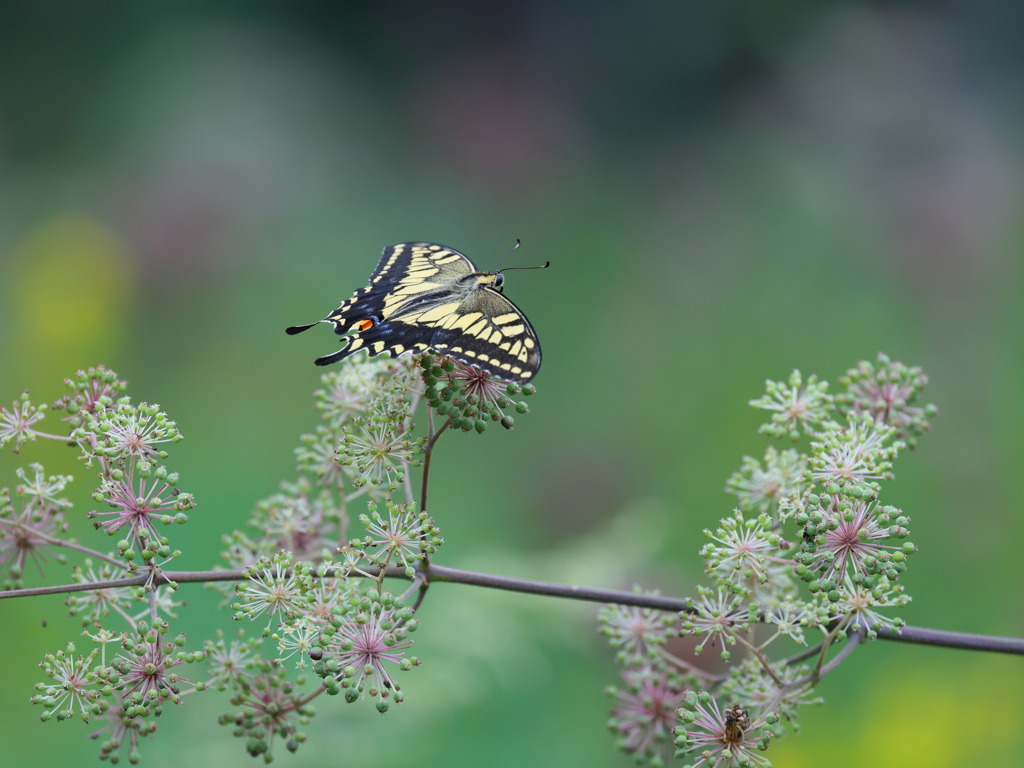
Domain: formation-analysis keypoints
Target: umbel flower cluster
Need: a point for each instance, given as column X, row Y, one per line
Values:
column 810, row 560
column 309, row 569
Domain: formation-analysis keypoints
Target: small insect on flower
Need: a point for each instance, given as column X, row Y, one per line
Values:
column 427, row 296
column 737, row 721
column 722, row 737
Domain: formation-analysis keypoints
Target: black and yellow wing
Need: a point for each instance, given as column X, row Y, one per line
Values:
column 427, row 296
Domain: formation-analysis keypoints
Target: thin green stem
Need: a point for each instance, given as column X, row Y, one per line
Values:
column 54, row 541
column 428, row 453
column 48, row 436
column 756, row 653
column 829, row 638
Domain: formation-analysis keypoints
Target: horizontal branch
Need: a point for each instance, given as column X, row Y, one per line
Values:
column 917, row 635
column 440, row 573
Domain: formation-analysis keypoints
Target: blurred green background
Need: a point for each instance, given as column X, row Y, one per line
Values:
column 726, row 191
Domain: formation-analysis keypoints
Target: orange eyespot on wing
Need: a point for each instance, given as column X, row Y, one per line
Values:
column 365, row 325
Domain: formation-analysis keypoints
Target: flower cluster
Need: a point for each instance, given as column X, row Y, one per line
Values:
column 17, row 423
column 312, row 588
column 655, row 680
column 88, row 390
column 887, row 391
column 336, row 614
column 31, row 522
column 470, row 396
column 403, row 538
column 644, row 717
column 355, row 634
column 315, row 587
column 126, row 692
column 809, row 548
column 362, row 449
column 126, row 442
column 268, row 706
column 144, row 674
column 367, row 641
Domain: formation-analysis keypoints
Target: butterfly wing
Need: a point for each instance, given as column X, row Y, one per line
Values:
column 408, row 275
column 488, row 331
column 406, row 272
column 427, row 296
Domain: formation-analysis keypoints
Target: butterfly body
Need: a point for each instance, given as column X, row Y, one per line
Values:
column 427, row 296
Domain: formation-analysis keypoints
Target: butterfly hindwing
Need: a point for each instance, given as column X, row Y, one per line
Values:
column 488, row 331
column 426, row 296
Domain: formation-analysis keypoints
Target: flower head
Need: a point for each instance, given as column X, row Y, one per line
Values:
column 471, row 396
column 844, row 542
column 299, row 521
column 797, row 406
column 122, row 730
column 269, row 707
column 94, row 604
column 860, row 452
column 127, row 433
column 718, row 737
column 73, row 688
column 318, row 455
column 644, row 715
column 718, row 615
column 857, row 606
column 232, row 662
column 741, row 550
column 761, row 488
column 348, row 390
column 404, row 537
column 27, row 532
column 275, row 587
column 17, row 422
column 888, row 391
column 139, row 504
column 637, row 634
column 144, row 671
column 368, row 641
column 377, row 448
column 88, row 390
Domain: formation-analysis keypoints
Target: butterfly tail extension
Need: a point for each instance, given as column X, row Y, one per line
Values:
column 334, row 357
column 300, row 328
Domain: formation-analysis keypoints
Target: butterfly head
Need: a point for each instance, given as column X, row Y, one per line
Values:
column 499, row 279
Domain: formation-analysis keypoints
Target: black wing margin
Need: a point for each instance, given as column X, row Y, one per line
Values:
column 367, row 302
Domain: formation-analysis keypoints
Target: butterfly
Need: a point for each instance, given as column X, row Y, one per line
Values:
column 427, row 296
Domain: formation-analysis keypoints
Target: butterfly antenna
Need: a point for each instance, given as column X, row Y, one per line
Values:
column 545, row 265
column 514, row 247
column 518, row 243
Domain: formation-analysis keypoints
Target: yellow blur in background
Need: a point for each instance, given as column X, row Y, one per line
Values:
column 71, row 294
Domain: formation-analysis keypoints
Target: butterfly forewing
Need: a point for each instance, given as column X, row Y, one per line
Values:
column 427, row 296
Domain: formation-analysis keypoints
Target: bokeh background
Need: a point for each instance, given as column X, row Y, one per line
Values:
column 726, row 191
